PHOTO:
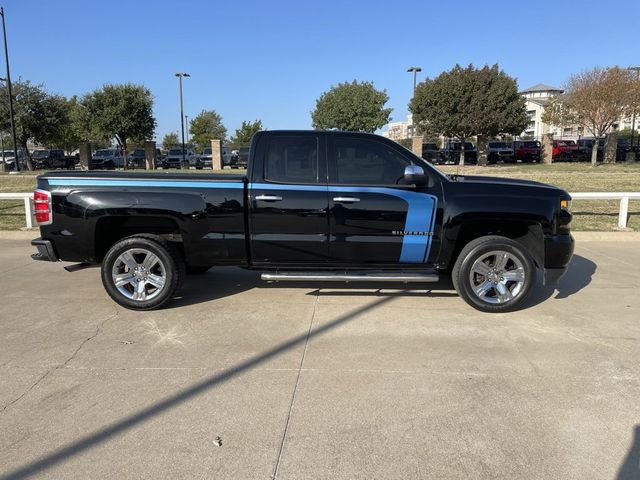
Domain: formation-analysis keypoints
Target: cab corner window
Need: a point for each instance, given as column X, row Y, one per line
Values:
column 366, row 162
column 292, row 159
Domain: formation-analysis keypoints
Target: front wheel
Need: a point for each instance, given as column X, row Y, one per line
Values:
column 494, row 274
column 142, row 272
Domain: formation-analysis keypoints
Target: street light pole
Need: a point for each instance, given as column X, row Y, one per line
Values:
column 186, row 120
column 11, row 117
column 633, row 117
column 415, row 71
column 180, row 75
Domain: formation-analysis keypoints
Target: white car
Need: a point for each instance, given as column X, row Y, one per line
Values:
column 174, row 158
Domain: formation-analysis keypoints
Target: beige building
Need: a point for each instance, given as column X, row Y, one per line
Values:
column 536, row 100
column 399, row 130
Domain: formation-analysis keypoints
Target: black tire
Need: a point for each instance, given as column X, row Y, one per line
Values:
column 514, row 292
column 197, row 269
column 170, row 263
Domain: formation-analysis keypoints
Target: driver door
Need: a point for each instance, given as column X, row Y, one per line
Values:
column 374, row 218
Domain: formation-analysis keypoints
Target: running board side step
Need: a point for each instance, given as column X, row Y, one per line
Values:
column 400, row 277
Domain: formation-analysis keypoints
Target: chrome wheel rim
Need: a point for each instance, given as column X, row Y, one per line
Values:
column 139, row 274
column 497, row 277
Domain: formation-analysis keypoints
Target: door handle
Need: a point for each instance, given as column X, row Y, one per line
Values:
column 346, row 199
column 269, row 198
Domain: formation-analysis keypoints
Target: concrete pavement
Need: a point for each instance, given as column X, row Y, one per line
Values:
column 244, row 380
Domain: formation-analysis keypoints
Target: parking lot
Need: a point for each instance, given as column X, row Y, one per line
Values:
column 245, row 380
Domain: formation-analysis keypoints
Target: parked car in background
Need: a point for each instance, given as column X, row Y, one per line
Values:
column 229, row 157
column 584, row 149
column 107, row 159
column 431, row 153
column 450, row 153
column 527, row 150
column 242, row 158
column 49, row 159
column 174, row 158
column 565, row 151
column 622, row 148
column 10, row 159
column 136, row 158
column 500, row 152
column 205, row 160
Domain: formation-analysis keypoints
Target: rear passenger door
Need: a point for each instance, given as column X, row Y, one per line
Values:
column 374, row 218
column 288, row 201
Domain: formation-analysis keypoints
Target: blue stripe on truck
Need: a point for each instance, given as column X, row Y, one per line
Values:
column 71, row 182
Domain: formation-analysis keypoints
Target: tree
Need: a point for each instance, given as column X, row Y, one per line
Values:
column 243, row 134
column 170, row 140
column 70, row 136
column 406, row 142
column 464, row 102
column 355, row 106
column 123, row 112
column 39, row 116
column 205, row 126
column 594, row 99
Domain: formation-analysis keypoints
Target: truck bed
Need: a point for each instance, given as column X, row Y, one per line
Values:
column 90, row 208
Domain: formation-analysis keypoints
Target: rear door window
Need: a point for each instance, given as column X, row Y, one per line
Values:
column 292, row 159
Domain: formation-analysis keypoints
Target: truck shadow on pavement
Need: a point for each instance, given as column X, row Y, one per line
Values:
column 229, row 281
column 119, row 427
column 630, row 468
column 578, row 276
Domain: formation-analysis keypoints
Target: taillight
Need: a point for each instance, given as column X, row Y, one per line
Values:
column 42, row 206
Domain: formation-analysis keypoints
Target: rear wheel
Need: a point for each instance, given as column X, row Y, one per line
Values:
column 142, row 272
column 494, row 274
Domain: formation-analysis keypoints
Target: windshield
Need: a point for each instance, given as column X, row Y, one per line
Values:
column 206, row 151
column 40, row 154
column 9, row 153
column 498, row 145
column 243, row 151
column 532, row 144
column 566, row 143
column 138, row 152
column 175, row 151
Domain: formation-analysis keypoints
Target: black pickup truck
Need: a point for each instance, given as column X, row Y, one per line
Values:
column 313, row 206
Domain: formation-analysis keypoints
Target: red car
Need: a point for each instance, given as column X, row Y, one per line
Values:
column 565, row 150
column 527, row 150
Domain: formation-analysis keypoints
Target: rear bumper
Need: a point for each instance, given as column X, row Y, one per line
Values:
column 45, row 252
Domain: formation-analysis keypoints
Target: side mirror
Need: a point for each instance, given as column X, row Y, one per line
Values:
column 414, row 174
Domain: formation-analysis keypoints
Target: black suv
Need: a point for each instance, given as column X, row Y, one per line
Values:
column 431, row 153
column 500, row 151
column 47, row 159
column 451, row 153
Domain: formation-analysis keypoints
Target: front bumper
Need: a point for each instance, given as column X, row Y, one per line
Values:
column 558, row 250
column 46, row 252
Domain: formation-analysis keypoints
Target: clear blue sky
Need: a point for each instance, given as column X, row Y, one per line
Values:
column 271, row 59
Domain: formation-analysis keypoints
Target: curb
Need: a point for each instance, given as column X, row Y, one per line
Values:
column 20, row 234
column 579, row 236
column 606, row 236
